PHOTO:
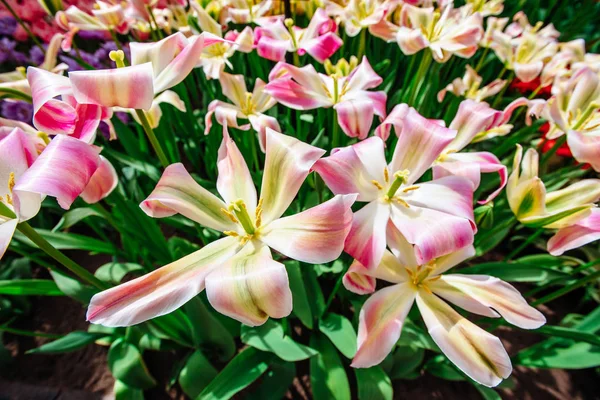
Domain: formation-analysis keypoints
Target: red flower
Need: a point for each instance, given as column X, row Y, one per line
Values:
column 530, row 87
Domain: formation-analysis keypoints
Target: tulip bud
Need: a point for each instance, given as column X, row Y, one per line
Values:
column 484, row 215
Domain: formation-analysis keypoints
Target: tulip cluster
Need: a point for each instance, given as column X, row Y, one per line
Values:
column 401, row 193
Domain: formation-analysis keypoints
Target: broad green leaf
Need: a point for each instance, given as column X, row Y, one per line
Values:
column 569, row 333
column 127, row 365
column 373, row 384
column 114, row 272
column 73, row 216
column 270, row 337
column 30, row 287
column 73, row 288
column 486, row 392
column 241, row 371
column 70, row 241
column 124, row 392
column 516, row 272
column 275, row 382
column 110, row 334
column 442, row 368
column 341, row 333
column 548, row 260
column 405, row 361
column 150, row 170
column 412, row 335
column 70, row 342
column 181, row 247
column 327, row 375
column 313, row 290
column 196, row 374
column 301, row 307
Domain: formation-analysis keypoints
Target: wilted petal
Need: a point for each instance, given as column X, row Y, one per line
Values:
column 287, row 164
column 63, row 170
column 411, row 41
column 102, row 183
column 127, row 87
column 260, row 123
column 177, row 192
column 476, row 352
column 355, row 117
column 528, row 72
column 363, row 77
column 250, row 287
column 584, row 231
column 298, row 88
column 367, row 237
column 315, row 235
column 161, row 291
column 585, row 147
column 361, row 280
column 488, row 296
column 380, row 323
column 472, row 118
column 234, row 181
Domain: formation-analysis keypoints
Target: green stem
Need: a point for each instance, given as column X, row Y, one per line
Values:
column 296, row 59
column 152, row 138
column 29, row 333
column 420, row 77
column 361, row 44
column 530, row 239
column 335, row 135
column 254, row 150
column 71, row 265
column 567, row 289
column 115, row 39
column 158, row 31
column 480, row 63
column 25, row 27
column 562, row 279
column 15, row 94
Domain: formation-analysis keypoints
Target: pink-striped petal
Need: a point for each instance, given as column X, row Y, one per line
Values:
column 380, row 323
column 472, row 118
column 585, row 147
column 272, row 48
column 583, row 232
column 250, row 287
column 488, row 296
column 322, row 47
column 260, row 123
column 63, row 170
column 419, row 145
column 102, row 183
column 287, row 164
column 363, row 77
column 234, row 181
column 17, row 153
column 355, row 117
column 367, row 237
column 291, row 94
column 411, row 41
column 177, row 192
column 161, row 291
column 361, row 280
column 476, row 352
column 127, row 87
column 315, row 235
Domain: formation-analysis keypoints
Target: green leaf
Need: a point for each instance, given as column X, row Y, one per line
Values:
column 70, row 241
column 73, row 216
column 442, row 368
column 127, row 365
column 241, row 371
column 30, row 287
column 341, row 333
column 299, row 297
column 373, row 384
column 405, row 360
column 412, row 335
column 515, row 272
column 275, row 382
column 70, row 342
column 181, row 247
column 313, row 291
column 327, row 375
column 569, row 333
column 196, row 374
column 487, row 393
column 270, row 337
column 73, row 288
column 124, row 392
column 114, row 272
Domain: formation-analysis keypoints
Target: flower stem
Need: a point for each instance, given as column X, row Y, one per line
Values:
column 152, row 138
column 71, row 265
column 480, row 63
column 561, row 292
column 418, row 81
column 361, row 44
column 335, row 133
column 530, row 239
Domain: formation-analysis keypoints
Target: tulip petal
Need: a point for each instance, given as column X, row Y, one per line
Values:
column 355, row 117
column 361, row 280
column 234, row 88
column 322, row 47
column 380, row 323
column 272, row 49
column 260, row 123
column 127, row 87
column 419, row 145
column 17, row 153
column 102, row 183
column 177, row 192
column 476, row 352
column 315, row 235
column 161, row 291
column 363, row 77
column 7, row 230
column 250, row 287
column 63, row 170
column 585, row 148
column 584, row 231
column 367, row 237
column 298, row 88
column 287, row 164
column 234, row 181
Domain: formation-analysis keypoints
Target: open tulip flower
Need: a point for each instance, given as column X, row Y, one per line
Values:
column 246, row 105
column 240, row 276
column 477, row 353
column 249, row 11
column 319, row 39
column 570, row 210
column 357, row 15
column 469, row 86
column 436, row 216
column 306, row 89
column 574, row 111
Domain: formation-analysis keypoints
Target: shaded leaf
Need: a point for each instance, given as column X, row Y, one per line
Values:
column 275, row 382
column 270, row 337
column 126, row 364
column 373, row 384
column 341, row 333
column 114, row 272
column 196, row 374
column 73, row 216
column 30, row 287
column 73, row 288
column 327, row 375
column 301, row 304
column 70, row 342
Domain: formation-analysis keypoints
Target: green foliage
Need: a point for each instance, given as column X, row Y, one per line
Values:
column 270, row 337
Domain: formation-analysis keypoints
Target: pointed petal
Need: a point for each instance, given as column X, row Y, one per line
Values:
column 7, row 230
column 63, row 170
column 177, row 192
column 260, row 123
column 161, row 291
column 585, row 148
column 367, row 237
column 234, row 88
column 271, row 48
column 287, row 164
column 476, row 352
column 322, row 47
column 234, row 181
column 250, row 288
column 127, row 87
column 488, row 296
column 355, row 117
column 363, row 77
column 361, row 280
column 472, row 118
column 291, row 94
column 102, row 183
column 314, row 236
column 380, row 323
column 444, row 263
column 583, row 232
column 17, row 153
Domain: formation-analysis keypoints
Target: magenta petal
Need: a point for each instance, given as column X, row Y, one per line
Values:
column 102, row 183
column 584, row 231
column 323, row 47
column 367, row 237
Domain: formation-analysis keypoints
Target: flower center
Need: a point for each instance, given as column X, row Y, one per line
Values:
column 420, row 276
column 238, row 213
column 400, row 178
column 248, row 107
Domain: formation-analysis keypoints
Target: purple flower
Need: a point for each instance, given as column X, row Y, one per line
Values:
column 17, row 110
column 7, row 25
column 36, row 56
column 7, row 48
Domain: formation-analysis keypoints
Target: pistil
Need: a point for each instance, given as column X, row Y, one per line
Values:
column 400, row 178
column 240, row 210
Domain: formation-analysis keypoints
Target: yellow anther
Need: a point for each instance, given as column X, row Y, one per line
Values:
column 377, row 184
column 22, row 70
column 44, row 137
column 410, row 189
column 229, row 215
column 401, row 201
column 410, row 272
column 245, row 239
column 231, row 233
column 9, row 199
column 425, row 288
column 386, row 175
column 258, row 213
column 11, row 182
column 435, row 278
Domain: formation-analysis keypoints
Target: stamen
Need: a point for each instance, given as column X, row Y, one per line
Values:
column 386, row 175
column 230, row 215
column 259, row 213
column 424, row 287
column 410, row 188
column 435, row 278
column 44, row 137
column 11, row 182
column 377, row 184
column 401, row 201
column 231, row 233
column 583, row 118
